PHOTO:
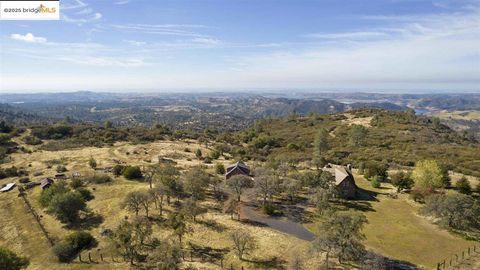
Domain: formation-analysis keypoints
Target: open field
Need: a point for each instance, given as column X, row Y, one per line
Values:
column 396, row 230
column 21, row 233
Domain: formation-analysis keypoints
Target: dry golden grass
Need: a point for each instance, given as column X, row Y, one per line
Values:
column 21, row 233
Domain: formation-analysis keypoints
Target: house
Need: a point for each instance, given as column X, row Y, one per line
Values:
column 344, row 180
column 237, row 168
column 46, row 183
column 7, row 187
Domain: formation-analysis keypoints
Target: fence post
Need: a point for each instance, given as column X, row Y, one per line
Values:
column 101, row 257
column 89, row 257
column 80, row 256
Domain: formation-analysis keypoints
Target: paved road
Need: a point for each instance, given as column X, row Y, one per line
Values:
column 280, row 224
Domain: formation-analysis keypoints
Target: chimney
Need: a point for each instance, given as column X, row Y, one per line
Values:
column 349, row 167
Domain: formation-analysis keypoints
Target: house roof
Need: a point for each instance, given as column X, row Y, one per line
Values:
column 240, row 166
column 45, row 182
column 7, row 187
column 340, row 172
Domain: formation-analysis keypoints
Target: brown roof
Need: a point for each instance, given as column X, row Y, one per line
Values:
column 340, row 172
column 46, row 182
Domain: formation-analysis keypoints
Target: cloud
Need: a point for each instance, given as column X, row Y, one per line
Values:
column 84, row 11
column 184, row 30
column 29, row 37
column 347, row 35
column 80, row 21
column 207, row 41
column 135, row 42
column 72, row 4
column 123, row 2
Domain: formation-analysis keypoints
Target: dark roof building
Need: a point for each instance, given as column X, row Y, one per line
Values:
column 237, row 168
column 46, row 183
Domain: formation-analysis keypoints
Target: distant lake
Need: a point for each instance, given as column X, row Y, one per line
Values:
column 421, row 111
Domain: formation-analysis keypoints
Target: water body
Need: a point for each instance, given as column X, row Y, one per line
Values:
column 280, row 224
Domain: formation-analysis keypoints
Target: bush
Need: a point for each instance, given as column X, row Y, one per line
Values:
column 118, row 169
column 463, row 186
column 61, row 168
column 132, row 172
column 77, row 183
column 24, row 180
column 99, row 179
column 11, row 261
column 32, row 140
column 67, row 249
column 86, row 194
column 375, row 182
column 207, row 160
column 219, row 168
column 271, row 210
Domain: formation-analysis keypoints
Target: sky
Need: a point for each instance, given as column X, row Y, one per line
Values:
column 197, row 45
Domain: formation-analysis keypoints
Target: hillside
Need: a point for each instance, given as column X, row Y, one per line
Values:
column 395, row 137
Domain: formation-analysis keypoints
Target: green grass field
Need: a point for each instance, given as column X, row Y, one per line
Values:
column 395, row 229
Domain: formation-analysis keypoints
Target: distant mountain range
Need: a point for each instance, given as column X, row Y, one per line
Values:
column 220, row 110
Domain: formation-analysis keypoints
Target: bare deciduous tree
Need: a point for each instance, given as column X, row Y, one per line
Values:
column 243, row 242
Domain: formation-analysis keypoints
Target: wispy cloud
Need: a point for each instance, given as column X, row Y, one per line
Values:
column 123, row 2
column 184, row 30
column 347, row 35
column 29, row 37
column 207, row 41
column 83, row 20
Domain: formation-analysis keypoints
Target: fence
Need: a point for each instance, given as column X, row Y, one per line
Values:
column 98, row 257
column 37, row 218
column 458, row 258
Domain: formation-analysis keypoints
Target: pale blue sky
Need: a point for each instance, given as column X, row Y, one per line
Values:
column 344, row 45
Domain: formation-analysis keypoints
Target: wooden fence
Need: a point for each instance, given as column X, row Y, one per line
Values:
column 97, row 257
column 37, row 218
column 458, row 258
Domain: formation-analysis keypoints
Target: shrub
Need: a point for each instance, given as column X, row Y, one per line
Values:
column 132, row 172
column 76, row 183
column 198, row 153
column 24, row 180
column 67, row 249
column 463, row 186
column 11, row 261
column 375, row 182
column 61, row 168
column 86, row 194
column 219, row 168
column 207, row 160
column 32, row 140
column 99, row 179
column 118, row 169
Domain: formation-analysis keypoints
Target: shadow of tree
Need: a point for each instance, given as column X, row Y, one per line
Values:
column 272, row 263
column 88, row 222
column 212, row 224
column 208, row 253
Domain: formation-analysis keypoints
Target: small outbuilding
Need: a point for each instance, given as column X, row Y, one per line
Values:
column 237, row 168
column 46, row 183
column 8, row 187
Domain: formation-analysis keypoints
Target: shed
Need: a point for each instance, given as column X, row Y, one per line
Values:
column 237, row 168
column 8, row 187
column 46, row 183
